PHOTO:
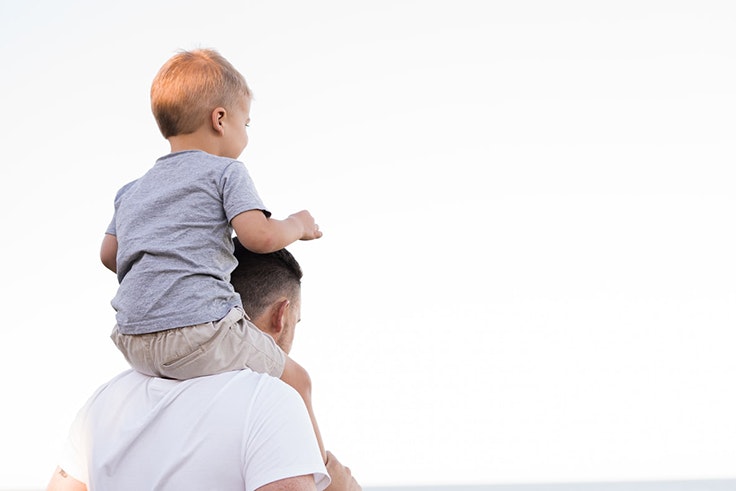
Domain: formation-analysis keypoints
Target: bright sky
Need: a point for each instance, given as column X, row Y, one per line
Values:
column 528, row 266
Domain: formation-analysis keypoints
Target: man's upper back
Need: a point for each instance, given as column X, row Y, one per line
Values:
column 233, row 431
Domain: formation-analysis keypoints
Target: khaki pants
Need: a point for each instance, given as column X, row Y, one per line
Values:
column 232, row 343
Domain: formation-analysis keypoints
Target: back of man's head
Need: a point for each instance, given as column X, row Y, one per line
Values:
column 261, row 278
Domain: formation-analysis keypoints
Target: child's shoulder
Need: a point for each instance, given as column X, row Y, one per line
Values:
column 198, row 156
column 125, row 188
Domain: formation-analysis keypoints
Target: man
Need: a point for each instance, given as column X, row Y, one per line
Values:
column 234, row 431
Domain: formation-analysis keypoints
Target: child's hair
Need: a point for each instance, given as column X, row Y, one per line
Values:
column 189, row 86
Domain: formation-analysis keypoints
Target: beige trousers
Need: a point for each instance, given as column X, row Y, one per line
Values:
column 232, row 343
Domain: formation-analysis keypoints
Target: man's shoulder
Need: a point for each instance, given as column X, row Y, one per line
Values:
column 125, row 377
column 229, row 396
column 241, row 382
column 258, row 385
column 210, row 420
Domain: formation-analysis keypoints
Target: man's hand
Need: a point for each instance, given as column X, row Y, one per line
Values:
column 342, row 479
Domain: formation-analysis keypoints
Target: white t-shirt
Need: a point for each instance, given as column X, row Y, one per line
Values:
column 233, row 431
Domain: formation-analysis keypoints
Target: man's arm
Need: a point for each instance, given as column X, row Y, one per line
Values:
column 299, row 483
column 61, row 481
column 342, row 478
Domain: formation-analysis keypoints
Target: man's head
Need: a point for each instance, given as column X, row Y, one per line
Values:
column 270, row 287
column 190, row 85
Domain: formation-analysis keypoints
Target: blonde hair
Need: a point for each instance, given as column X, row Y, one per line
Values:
column 189, row 86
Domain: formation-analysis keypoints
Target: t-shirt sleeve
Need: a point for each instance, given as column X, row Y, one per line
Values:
column 239, row 192
column 111, row 228
column 280, row 442
column 73, row 457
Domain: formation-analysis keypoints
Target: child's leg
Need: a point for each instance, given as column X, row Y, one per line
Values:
column 136, row 349
column 232, row 343
column 299, row 379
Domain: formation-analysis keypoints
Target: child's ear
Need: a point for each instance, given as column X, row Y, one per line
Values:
column 217, row 116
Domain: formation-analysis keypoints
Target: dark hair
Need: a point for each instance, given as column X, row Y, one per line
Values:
column 261, row 278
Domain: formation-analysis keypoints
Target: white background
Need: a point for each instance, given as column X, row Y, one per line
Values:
column 528, row 268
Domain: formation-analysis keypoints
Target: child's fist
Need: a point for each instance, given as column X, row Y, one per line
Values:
column 310, row 230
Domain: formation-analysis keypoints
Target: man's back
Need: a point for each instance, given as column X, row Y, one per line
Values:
column 236, row 430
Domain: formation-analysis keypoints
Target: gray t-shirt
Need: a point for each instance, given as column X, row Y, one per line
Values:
column 175, row 246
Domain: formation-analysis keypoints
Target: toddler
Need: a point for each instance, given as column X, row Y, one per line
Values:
column 170, row 240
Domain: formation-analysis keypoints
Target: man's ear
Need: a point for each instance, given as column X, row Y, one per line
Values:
column 278, row 317
column 217, row 116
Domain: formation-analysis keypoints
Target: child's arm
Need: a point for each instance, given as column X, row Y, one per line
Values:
column 262, row 235
column 109, row 252
column 297, row 377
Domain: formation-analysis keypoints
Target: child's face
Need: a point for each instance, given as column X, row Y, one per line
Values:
column 236, row 136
